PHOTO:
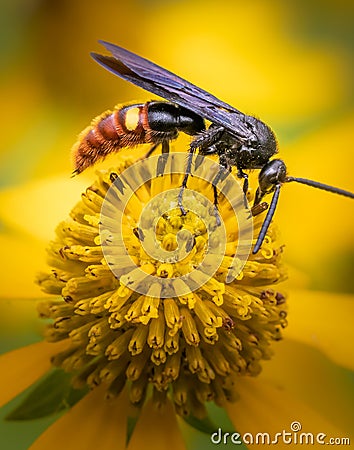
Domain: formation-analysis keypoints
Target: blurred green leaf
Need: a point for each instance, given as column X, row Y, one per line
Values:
column 205, row 425
column 131, row 423
column 53, row 393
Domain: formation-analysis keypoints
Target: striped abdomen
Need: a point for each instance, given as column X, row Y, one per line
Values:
column 128, row 126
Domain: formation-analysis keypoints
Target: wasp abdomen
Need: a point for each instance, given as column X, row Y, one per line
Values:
column 126, row 126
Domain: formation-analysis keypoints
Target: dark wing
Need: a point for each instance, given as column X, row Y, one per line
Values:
column 169, row 86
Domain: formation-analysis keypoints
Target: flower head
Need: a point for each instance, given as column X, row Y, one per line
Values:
column 157, row 300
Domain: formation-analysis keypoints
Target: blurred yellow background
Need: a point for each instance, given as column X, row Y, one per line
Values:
column 288, row 63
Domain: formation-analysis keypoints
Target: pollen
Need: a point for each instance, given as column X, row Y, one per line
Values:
column 155, row 310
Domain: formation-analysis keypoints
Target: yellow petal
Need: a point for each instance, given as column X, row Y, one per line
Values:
column 323, row 320
column 309, row 376
column 21, row 368
column 157, row 430
column 22, row 258
column 93, row 423
column 296, row 279
column 38, row 207
column 263, row 408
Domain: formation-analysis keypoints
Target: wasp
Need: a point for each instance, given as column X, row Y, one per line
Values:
column 239, row 140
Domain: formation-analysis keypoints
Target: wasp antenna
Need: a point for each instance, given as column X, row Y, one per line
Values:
column 268, row 219
column 324, row 187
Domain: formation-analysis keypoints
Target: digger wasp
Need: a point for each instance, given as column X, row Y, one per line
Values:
column 239, row 140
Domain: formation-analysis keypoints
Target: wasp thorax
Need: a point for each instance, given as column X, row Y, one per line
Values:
column 265, row 141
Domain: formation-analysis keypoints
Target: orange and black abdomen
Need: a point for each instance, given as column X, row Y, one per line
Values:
column 128, row 126
column 111, row 131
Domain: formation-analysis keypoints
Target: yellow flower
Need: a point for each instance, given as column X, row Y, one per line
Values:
column 155, row 311
column 191, row 348
column 287, row 63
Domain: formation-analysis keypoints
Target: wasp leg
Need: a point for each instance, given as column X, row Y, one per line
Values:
column 216, row 210
column 151, row 150
column 198, row 161
column 185, row 179
column 204, row 141
column 161, row 163
column 220, row 176
column 258, row 197
column 242, row 174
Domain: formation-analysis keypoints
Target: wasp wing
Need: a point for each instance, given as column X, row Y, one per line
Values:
column 169, row 86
